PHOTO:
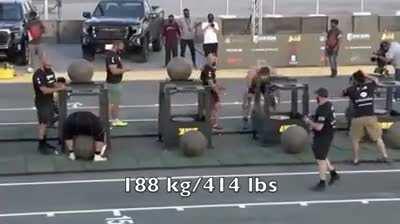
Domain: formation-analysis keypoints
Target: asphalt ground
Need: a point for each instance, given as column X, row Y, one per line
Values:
column 73, row 9
column 365, row 194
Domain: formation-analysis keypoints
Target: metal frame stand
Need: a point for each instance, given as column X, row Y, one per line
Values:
column 85, row 89
column 169, row 128
column 268, row 129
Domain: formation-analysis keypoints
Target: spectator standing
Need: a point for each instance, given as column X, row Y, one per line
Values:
column 171, row 33
column 36, row 30
column 332, row 46
column 210, row 30
column 187, row 28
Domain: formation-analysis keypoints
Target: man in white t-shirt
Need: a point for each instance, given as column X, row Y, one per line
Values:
column 393, row 57
column 210, row 30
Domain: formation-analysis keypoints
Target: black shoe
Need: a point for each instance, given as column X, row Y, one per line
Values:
column 50, row 146
column 245, row 123
column 44, row 150
column 334, row 177
column 333, row 73
column 319, row 187
column 384, row 160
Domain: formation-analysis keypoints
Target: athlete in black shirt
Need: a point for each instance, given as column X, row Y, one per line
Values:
column 84, row 123
column 45, row 85
column 323, row 126
column 208, row 78
column 115, row 71
column 361, row 94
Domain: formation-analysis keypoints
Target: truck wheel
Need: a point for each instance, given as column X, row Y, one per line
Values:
column 157, row 46
column 22, row 58
column 88, row 53
column 144, row 51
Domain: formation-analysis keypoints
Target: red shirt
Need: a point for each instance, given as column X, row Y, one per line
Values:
column 171, row 33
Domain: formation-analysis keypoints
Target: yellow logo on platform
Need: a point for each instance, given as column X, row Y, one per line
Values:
column 294, row 38
column 283, row 128
column 388, row 36
column 386, row 125
column 182, row 131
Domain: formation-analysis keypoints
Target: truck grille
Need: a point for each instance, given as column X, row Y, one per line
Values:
column 110, row 33
column 4, row 37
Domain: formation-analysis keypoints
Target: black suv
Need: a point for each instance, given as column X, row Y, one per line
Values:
column 133, row 21
column 14, row 16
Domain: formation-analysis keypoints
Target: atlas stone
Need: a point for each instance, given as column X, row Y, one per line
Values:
column 193, row 143
column 81, row 71
column 84, row 147
column 179, row 69
column 294, row 139
column 392, row 136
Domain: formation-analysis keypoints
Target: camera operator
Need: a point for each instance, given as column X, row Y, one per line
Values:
column 210, row 29
column 392, row 57
column 381, row 64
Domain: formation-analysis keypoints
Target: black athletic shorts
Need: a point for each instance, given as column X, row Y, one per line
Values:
column 321, row 146
column 73, row 128
column 45, row 111
column 210, row 49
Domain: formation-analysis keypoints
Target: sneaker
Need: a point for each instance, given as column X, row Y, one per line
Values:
column 334, row 177
column 72, row 156
column 57, row 152
column 30, row 70
column 50, row 146
column 384, row 160
column 319, row 187
column 119, row 123
column 99, row 158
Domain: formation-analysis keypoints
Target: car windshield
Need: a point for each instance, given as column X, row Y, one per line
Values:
column 10, row 11
column 119, row 9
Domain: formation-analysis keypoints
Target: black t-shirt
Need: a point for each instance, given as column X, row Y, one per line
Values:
column 362, row 97
column 113, row 58
column 207, row 75
column 262, row 85
column 84, row 123
column 325, row 114
column 43, row 78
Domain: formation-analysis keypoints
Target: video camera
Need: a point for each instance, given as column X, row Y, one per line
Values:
column 381, row 64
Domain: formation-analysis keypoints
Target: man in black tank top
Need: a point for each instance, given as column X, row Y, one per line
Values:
column 364, row 121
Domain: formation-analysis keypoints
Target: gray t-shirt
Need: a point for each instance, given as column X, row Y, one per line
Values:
column 187, row 28
column 394, row 54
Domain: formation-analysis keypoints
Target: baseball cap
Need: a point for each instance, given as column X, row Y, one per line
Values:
column 322, row 92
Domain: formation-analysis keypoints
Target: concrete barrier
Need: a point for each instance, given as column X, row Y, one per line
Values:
column 295, row 41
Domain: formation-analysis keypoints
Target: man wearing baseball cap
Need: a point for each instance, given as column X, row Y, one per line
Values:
column 323, row 126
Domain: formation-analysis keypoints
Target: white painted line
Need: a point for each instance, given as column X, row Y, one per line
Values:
column 50, row 214
column 131, row 120
column 242, row 206
column 365, row 202
column 303, row 204
column 278, row 174
column 80, row 105
column 203, row 206
column 117, row 213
